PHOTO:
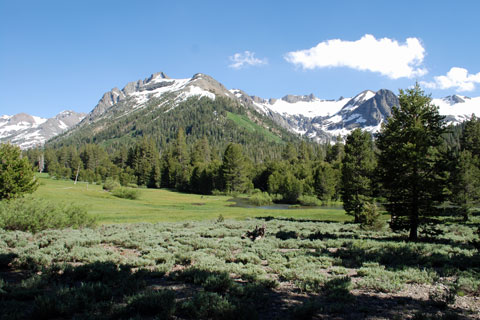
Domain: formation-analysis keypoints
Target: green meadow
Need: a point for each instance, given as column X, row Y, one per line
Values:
column 160, row 205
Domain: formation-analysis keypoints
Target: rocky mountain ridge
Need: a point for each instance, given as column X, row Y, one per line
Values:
column 306, row 115
column 29, row 131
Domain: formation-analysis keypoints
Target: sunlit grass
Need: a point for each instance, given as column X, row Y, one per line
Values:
column 160, row 205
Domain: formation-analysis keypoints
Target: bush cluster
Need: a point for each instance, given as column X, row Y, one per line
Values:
column 111, row 184
column 260, row 199
column 126, row 193
column 33, row 215
column 311, row 201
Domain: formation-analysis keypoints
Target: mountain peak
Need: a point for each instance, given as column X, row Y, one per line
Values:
column 363, row 96
column 157, row 76
column 454, row 99
column 290, row 98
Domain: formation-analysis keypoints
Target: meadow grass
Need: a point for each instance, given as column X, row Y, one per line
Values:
column 160, row 205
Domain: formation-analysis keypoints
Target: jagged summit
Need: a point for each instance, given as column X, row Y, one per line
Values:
column 294, row 99
column 454, row 99
column 141, row 91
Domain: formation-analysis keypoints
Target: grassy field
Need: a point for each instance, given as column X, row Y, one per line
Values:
column 162, row 205
column 245, row 122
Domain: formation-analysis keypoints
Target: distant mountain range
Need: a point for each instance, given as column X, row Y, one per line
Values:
column 29, row 131
column 320, row 120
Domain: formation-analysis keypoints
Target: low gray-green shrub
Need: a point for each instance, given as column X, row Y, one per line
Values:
column 126, row 193
column 33, row 215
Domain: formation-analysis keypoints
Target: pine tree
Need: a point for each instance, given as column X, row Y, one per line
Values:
column 16, row 173
column 465, row 182
column 201, row 152
column 290, row 153
column 180, row 155
column 465, row 177
column 410, row 163
column 234, row 169
column 470, row 138
column 143, row 159
column 325, row 181
column 357, row 171
column 336, row 152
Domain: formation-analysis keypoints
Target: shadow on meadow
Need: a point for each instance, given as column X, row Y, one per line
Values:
column 272, row 218
column 399, row 256
column 429, row 236
column 336, row 301
column 104, row 290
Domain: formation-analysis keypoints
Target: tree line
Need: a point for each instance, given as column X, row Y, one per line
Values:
column 412, row 166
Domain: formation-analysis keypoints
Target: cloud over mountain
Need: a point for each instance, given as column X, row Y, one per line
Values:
column 386, row 56
column 457, row 78
column 246, row 58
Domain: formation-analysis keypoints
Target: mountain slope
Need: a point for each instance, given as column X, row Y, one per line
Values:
column 158, row 106
column 29, row 131
column 458, row 108
column 323, row 120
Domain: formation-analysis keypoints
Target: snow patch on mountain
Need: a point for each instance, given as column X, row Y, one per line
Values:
column 311, row 109
column 458, row 108
column 138, row 93
column 194, row 91
column 29, row 131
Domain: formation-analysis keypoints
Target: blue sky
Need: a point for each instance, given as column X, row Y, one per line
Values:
column 58, row 55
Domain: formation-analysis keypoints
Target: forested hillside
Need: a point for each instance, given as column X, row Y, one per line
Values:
column 220, row 121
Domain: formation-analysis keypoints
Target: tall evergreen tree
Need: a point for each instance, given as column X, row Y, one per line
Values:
column 181, row 158
column 465, row 177
column 235, row 177
column 143, row 158
column 325, row 181
column 410, row 163
column 465, row 182
column 357, row 170
column 16, row 173
column 201, row 152
column 289, row 153
column 470, row 138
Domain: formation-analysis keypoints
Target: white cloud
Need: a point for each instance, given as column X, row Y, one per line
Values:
column 386, row 56
column 246, row 58
column 457, row 78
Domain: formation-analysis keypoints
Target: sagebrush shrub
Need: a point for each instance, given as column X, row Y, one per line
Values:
column 33, row 215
